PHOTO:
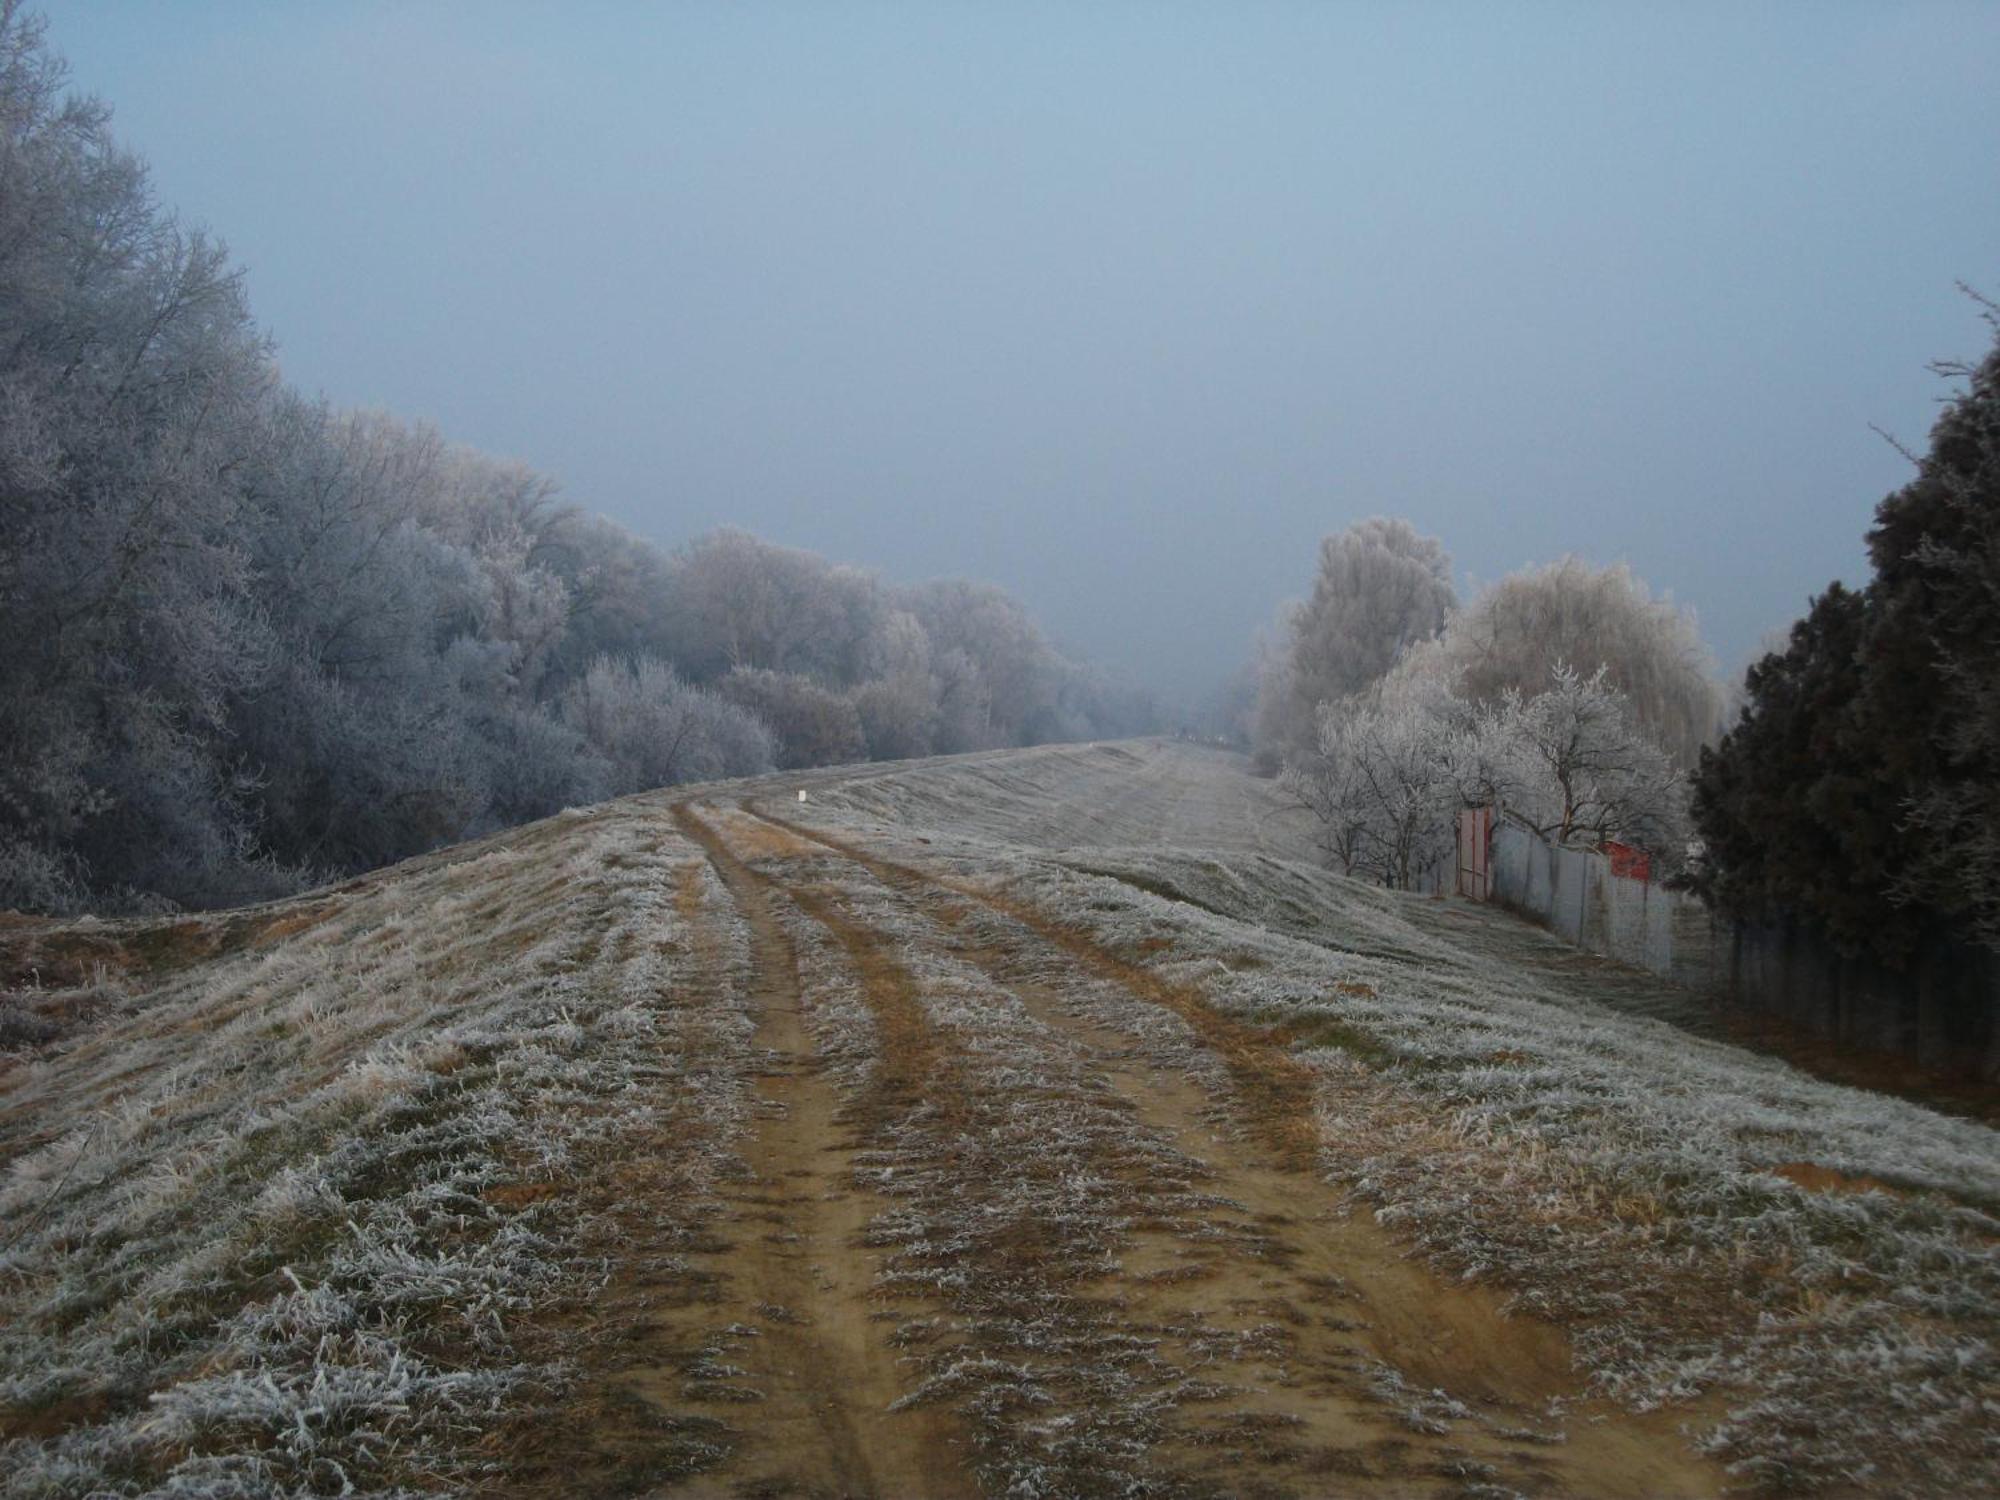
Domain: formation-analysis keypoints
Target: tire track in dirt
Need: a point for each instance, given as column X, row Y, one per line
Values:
column 1012, row 1176
column 802, row 1335
column 1275, row 1091
column 1351, row 1325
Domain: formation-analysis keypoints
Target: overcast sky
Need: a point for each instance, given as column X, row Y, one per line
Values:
column 1119, row 307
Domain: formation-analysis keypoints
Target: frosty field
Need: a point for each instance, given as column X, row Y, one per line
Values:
column 1027, row 1123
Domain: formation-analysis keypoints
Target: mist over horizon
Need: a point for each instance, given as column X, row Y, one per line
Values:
column 1123, row 309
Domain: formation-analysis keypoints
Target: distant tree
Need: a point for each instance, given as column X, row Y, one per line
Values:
column 1096, row 707
column 1568, row 613
column 656, row 730
column 738, row 601
column 1016, row 666
column 812, row 725
column 898, row 717
column 898, row 710
column 1228, row 711
column 619, row 597
column 252, row 641
column 1381, row 588
column 964, row 708
column 1272, row 721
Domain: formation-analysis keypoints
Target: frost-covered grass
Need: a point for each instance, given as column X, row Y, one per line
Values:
column 276, row 1230
column 1079, row 796
column 290, row 1218
column 1698, row 1217
column 1015, row 1176
column 1073, row 1285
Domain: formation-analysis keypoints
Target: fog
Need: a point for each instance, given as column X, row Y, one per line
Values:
column 1121, row 310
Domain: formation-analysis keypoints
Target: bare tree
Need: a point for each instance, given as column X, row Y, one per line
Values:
column 1394, row 766
column 1384, row 779
column 1576, row 765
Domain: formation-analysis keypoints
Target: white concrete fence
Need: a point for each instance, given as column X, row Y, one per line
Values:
column 1576, row 895
column 1942, row 1008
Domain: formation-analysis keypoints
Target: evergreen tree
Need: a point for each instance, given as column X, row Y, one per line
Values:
column 1932, row 703
column 1860, row 791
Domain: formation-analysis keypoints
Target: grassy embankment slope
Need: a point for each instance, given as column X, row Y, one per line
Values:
column 1038, row 1122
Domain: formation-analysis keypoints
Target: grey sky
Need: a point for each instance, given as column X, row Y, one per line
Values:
column 1119, row 307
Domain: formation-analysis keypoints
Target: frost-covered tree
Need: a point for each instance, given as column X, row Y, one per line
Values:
column 738, row 601
column 252, row 640
column 1573, row 762
column 1270, row 723
column 1394, row 766
column 657, row 730
column 1381, row 587
column 1333, row 785
column 400, row 709
column 1014, row 662
column 130, row 380
column 1382, row 781
column 811, row 725
column 963, row 710
column 1568, row 613
column 898, row 708
column 619, row 596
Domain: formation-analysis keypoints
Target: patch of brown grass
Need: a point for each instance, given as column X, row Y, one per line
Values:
column 1815, row 1178
column 1948, row 1092
column 753, row 838
column 141, row 952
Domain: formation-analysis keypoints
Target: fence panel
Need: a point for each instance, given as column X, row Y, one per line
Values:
column 1579, row 896
column 1944, row 1010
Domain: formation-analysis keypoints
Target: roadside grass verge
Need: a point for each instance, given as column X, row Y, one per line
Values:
column 277, row 1230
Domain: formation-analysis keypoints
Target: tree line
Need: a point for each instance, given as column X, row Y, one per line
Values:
column 252, row 641
column 1850, row 790
column 1567, row 694
column 1858, row 796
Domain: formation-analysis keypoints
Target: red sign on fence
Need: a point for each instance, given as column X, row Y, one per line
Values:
column 1633, row 863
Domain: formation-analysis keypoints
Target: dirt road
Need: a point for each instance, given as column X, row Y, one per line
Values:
column 1030, row 1123
column 1017, row 1217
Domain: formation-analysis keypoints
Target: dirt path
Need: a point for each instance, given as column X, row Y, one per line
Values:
column 667, row 1149
column 738, row 1347
column 1326, row 1358
column 800, row 1341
